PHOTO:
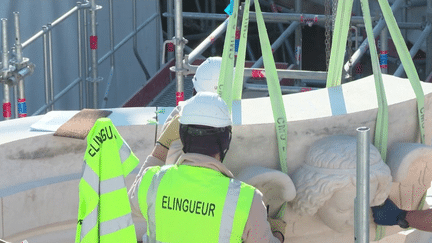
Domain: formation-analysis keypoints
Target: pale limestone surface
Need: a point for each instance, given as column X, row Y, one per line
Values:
column 412, row 173
column 309, row 119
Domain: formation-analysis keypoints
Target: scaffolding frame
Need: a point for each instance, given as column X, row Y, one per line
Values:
column 87, row 67
column 295, row 20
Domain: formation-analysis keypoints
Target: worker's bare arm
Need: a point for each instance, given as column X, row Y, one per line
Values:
column 420, row 219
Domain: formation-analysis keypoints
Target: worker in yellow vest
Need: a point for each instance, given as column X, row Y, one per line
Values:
column 197, row 199
column 104, row 213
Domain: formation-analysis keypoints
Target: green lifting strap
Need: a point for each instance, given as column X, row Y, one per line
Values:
column 340, row 35
column 274, row 88
column 241, row 54
column 225, row 82
column 275, row 93
column 407, row 62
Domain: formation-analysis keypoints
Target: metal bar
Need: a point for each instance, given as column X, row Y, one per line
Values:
column 213, row 25
column 122, row 42
column 110, row 77
column 159, row 35
column 250, row 52
column 414, row 49
column 86, row 60
column 286, row 41
column 298, row 37
column 285, row 89
column 21, row 105
column 170, row 24
column 5, row 51
column 58, row 96
column 111, row 74
column 361, row 202
column 46, row 66
column 15, row 95
column 18, row 46
column 50, row 63
column 93, row 52
column 53, row 24
column 282, row 73
column 404, row 17
column 135, row 49
column 5, row 60
column 429, row 39
column 268, row 17
column 384, row 51
column 365, row 45
column 80, row 58
column 279, row 41
column 293, row 74
column 208, row 41
column 179, row 50
column 6, row 101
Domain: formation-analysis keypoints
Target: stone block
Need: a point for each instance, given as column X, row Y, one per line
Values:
column 46, row 205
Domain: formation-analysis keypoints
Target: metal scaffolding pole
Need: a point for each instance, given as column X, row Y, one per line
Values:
column 135, row 39
column 268, row 17
column 429, row 40
column 179, row 43
column 7, row 112
column 278, row 42
column 414, row 49
column 50, row 63
column 384, row 51
column 80, row 58
column 170, row 24
column 111, row 73
column 361, row 202
column 94, row 56
column 298, row 37
column 46, row 66
column 86, row 60
column 364, row 46
column 21, row 107
column 207, row 41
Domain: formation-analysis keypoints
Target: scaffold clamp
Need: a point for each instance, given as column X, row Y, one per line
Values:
column 94, row 80
column 179, row 41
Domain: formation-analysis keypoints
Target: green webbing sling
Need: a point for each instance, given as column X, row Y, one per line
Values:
column 335, row 68
column 275, row 93
column 407, row 62
column 241, row 55
column 340, row 34
column 224, row 89
column 271, row 75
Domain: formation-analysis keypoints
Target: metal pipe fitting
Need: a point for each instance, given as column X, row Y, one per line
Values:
column 361, row 202
column 5, row 51
column 179, row 50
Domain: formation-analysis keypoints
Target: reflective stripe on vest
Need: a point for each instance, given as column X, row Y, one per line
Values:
column 104, row 213
column 225, row 207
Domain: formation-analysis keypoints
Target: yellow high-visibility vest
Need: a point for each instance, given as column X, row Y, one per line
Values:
column 104, row 213
column 183, row 203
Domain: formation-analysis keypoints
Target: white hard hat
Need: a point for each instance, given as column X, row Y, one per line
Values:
column 205, row 108
column 207, row 75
